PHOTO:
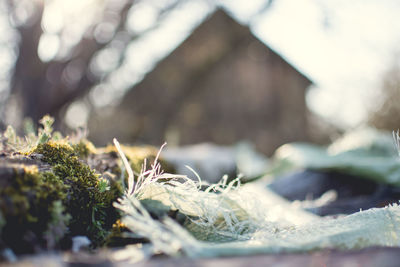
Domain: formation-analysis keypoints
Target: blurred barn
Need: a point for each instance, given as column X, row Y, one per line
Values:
column 221, row 85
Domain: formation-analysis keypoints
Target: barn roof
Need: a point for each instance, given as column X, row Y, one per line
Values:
column 220, row 22
column 226, row 16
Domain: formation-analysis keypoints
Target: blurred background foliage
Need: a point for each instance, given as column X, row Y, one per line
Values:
column 56, row 52
column 63, row 49
column 65, row 58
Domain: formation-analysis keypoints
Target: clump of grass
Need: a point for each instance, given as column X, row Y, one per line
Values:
column 156, row 203
column 25, row 144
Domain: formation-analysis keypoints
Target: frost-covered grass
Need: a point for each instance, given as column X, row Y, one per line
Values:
column 229, row 219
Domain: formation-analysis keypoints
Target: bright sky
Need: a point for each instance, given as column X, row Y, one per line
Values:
column 343, row 46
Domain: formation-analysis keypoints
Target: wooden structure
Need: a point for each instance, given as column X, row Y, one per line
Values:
column 221, row 85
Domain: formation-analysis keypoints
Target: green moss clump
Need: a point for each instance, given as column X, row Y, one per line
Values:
column 83, row 149
column 89, row 197
column 30, row 204
column 66, row 197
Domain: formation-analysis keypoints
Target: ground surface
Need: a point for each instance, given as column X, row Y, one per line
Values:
column 381, row 257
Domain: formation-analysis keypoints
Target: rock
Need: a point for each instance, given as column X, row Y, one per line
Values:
column 353, row 193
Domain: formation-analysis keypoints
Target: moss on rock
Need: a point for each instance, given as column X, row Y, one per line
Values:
column 56, row 188
column 89, row 198
column 30, row 206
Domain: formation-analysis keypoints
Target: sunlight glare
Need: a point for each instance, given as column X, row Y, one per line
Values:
column 49, row 45
column 77, row 114
column 141, row 17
